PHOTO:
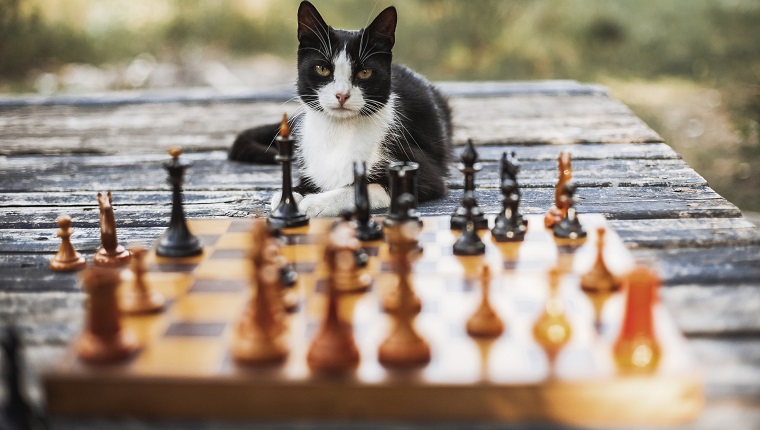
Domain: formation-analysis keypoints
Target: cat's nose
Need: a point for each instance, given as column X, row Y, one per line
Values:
column 342, row 98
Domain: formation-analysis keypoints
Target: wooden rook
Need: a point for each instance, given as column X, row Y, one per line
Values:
column 333, row 350
column 104, row 340
column 402, row 179
column 404, row 347
column 286, row 214
column 67, row 259
column 469, row 243
column 570, row 226
column 599, row 283
column 509, row 225
column 142, row 298
column 177, row 241
column 557, row 212
column 485, row 322
column 110, row 253
column 469, row 167
column 636, row 348
column 367, row 228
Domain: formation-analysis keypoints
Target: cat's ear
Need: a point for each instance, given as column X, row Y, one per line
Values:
column 383, row 28
column 310, row 22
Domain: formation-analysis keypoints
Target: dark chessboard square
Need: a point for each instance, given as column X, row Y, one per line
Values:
column 419, row 267
column 300, row 239
column 239, row 226
column 218, row 286
column 208, row 239
column 372, row 251
column 172, row 267
column 304, row 267
column 195, row 329
column 228, row 254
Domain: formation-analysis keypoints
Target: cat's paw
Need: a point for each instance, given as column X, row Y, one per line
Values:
column 278, row 195
column 321, row 205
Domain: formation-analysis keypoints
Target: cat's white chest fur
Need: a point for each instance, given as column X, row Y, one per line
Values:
column 329, row 146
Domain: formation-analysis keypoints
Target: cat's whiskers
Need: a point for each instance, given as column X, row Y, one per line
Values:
column 327, row 46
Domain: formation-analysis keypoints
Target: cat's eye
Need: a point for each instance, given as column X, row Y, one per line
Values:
column 322, row 71
column 364, row 74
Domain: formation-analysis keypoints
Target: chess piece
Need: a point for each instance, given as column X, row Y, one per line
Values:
column 177, row 241
column 67, row 259
column 636, row 348
column 552, row 329
column 509, row 225
column 18, row 412
column 348, row 272
column 599, row 283
column 469, row 243
column 402, row 179
column 404, row 347
column 485, row 322
column 103, row 340
column 570, row 226
column 141, row 298
column 266, row 250
column 333, row 349
column 469, row 167
column 257, row 339
column 403, row 247
column 110, row 253
column 286, row 214
column 367, row 228
column 559, row 211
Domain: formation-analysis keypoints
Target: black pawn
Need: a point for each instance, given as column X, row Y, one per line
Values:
column 569, row 227
column 469, row 167
column 17, row 413
column 402, row 179
column 286, row 214
column 509, row 225
column 367, row 228
column 177, row 241
column 469, row 243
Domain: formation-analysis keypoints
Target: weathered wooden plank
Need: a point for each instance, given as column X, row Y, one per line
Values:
column 213, row 171
column 717, row 310
column 586, row 151
column 705, row 266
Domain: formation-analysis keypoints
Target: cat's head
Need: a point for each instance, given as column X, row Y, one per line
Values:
column 342, row 73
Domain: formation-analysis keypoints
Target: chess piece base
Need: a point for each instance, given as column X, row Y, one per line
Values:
column 458, row 222
column 252, row 347
column 136, row 302
column 485, row 324
column 404, row 352
column 282, row 223
column 177, row 249
column 119, row 257
column 94, row 350
column 333, row 351
column 73, row 265
column 369, row 231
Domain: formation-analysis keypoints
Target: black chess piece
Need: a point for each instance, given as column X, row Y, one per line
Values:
column 402, row 179
column 569, row 227
column 177, row 241
column 469, row 243
column 17, row 413
column 286, row 214
column 509, row 226
column 407, row 211
column 367, row 229
column 469, row 167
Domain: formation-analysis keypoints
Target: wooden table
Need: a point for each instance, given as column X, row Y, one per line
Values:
column 57, row 152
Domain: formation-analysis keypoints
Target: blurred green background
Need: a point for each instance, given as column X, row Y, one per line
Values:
column 689, row 68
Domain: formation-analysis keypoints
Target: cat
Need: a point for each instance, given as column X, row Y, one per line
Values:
column 356, row 106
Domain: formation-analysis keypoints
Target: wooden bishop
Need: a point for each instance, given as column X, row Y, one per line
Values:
column 599, row 283
column 552, row 330
column 485, row 322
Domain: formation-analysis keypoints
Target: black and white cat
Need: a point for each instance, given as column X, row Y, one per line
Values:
column 357, row 106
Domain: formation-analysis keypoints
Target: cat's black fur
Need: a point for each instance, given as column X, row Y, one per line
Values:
column 425, row 135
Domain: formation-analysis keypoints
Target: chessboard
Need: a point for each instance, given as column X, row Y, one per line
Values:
column 184, row 368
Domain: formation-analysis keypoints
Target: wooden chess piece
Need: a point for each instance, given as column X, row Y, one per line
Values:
column 403, row 246
column 348, row 271
column 104, row 340
column 402, row 179
column 469, row 243
column 333, row 349
column 469, row 167
column 552, row 330
column 286, row 214
column 110, row 254
column 257, row 339
column 485, row 322
column 636, row 348
column 264, row 252
column 177, row 241
column 67, row 259
column 570, row 226
column 142, row 298
column 403, row 347
column 367, row 229
column 599, row 283
column 557, row 212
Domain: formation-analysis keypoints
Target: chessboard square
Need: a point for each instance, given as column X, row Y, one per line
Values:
column 195, row 329
column 181, row 356
column 203, row 285
column 223, row 269
column 208, row 226
column 209, row 307
column 303, row 253
column 146, row 327
column 240, row 226
column 208, row 240
column 236, row 240
column 229, row 254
